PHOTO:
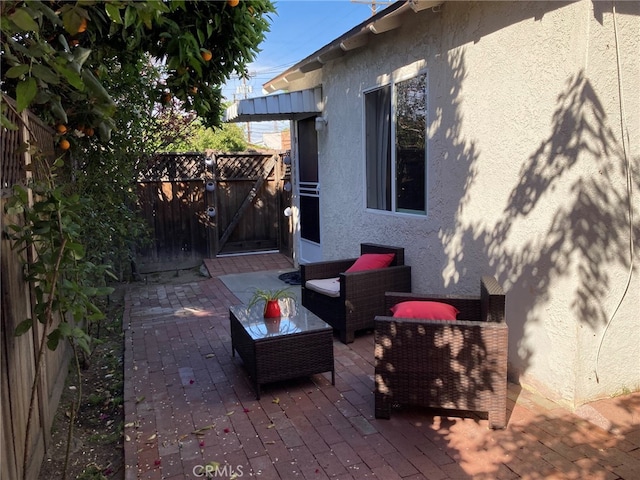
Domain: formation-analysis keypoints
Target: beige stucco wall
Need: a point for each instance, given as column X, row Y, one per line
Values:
column 526, row 176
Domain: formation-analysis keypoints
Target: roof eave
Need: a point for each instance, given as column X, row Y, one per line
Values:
column 384, row 21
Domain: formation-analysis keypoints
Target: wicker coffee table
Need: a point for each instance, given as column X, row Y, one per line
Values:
column 301, row 345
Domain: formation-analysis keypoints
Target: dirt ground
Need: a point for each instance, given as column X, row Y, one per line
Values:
column 96, row 448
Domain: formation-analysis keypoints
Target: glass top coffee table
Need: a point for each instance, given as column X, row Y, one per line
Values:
column 295, row 345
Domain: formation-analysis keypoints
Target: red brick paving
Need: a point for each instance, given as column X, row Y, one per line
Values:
column 189, row 404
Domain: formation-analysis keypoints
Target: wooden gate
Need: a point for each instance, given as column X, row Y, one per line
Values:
column 249, row 200
column 198, row 206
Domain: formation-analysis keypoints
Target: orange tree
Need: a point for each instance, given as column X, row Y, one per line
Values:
column 56, row 55
column 120, row 80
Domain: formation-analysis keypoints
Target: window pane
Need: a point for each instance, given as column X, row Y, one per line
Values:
column 308, row 150
column 378, row 148
column 310, row 218
column 411, row 106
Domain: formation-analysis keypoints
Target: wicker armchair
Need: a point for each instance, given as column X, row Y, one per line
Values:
column 361, row 293
column 459, row 364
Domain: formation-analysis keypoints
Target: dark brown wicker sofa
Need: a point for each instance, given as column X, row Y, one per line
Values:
column 361, row 293
column 459, row 364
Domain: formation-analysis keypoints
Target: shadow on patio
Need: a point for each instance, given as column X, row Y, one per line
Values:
column 190, row 407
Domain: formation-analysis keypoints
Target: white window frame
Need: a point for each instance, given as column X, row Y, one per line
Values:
column 392, row 84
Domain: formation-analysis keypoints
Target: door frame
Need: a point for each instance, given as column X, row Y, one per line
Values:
column 305, row 250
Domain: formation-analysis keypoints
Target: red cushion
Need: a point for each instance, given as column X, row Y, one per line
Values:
column 425, row 310
column 371, row 261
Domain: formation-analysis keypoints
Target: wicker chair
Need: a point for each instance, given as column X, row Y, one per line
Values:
column 459, row 364
column 361, row 293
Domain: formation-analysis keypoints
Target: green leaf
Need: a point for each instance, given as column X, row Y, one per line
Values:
column 65, row 329
column 113, row 12
column 63, row 41
column 14, row 210
column 6, row 123
column 76, row 249
column 112, row 275
column 24, row 21
column 129, row 16
column 53, row 339
column 72, row 77
column 105, row 132
column 94, row 86
column 81, row 54
column 45, row 74
column 103, row 291
column 23, row 327
column 25, row 92
column 96, row 316
column 72, row 19
column 58, row 111
column 17, row 71
column 83, row 344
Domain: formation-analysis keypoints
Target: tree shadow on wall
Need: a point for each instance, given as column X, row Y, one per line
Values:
column 588, row 233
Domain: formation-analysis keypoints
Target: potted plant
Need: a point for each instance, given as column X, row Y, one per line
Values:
column 270, row 299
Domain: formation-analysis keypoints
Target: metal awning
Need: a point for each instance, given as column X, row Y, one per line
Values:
column 283, row 106
column 307, row 103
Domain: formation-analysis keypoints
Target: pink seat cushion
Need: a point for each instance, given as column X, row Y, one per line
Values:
column 425, row 310
column 371, row 261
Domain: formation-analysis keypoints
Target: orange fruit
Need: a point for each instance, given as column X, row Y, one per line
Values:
column 64, row 144
column 61, row 128
column 233, row 3
column 83, row 26
column 206, row 55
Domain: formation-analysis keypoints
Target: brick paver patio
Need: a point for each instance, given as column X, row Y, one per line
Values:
column 189, row 407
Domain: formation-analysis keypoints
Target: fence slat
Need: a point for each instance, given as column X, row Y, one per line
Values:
column 17, row 369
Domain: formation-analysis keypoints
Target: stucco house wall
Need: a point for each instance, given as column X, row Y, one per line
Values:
column 527, row 176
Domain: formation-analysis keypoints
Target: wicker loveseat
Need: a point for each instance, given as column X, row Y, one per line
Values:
column 459, row 364
column 361, row 295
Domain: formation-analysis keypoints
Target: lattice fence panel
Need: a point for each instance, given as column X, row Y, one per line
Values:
column 173, row 167
column 14, row 147
column 13, row 170
column 240, row 166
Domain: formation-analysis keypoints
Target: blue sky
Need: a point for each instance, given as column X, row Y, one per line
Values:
column 299, row 28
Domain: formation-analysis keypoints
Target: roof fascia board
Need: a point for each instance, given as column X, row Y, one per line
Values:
column 384, row 21
column 311, row 62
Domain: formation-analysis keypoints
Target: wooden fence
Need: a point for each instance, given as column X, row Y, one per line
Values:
column 172, row 202
column 179, row 193
column 17, row 369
